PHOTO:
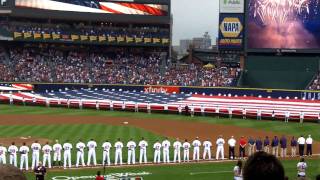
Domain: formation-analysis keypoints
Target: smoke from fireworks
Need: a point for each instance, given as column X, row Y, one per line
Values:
column 279, row 11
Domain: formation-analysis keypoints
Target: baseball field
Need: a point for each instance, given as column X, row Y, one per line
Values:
column 26, row 124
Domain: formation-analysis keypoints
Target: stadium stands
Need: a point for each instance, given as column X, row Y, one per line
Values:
column 315, row 84
column 114, row 65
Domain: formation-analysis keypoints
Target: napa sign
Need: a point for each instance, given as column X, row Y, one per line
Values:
column 230, row 31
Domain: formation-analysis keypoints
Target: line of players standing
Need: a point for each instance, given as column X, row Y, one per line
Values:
column 57, row 148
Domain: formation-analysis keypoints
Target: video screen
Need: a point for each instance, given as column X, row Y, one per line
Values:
column 283, row 24
column 96, row 6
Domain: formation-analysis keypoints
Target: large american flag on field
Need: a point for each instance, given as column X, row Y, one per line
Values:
column 161, row 101
column 129, row 8
column 16, row 87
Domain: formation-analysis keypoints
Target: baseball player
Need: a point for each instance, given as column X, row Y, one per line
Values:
column 203, row 109
column 46, row 149
column 13, row 149
column 80, row 104
column 57, row 153
column 97, row 105
column 149, row 108
column 11, row 99
column 232, row 144
column 3, row 151
column 273, row 115
column 118, row 145
column 259, row 114
column 123, row 105
column 92, row 152
column 230, row 112
column 218, row 111
column 177, row 151
column 207, row 149
column 220, row 149
column 186, row 147
column 301, row 142
column 192, row 110
column 111, row 105
column 24, row 150
column 165, row 108
column 196, row 149
column 47, row 102
column 136, row 107
column 244, row 113
column 301, row 167
column 131, row 145
column 143, row 150
column 301, row 116
column 67, row 147
column 180, row 109
column 106, row 153
column 36, row 147
column 68, row 103
column 80, row 146
column 165, row 150
column 157, row 152
column 286, row 116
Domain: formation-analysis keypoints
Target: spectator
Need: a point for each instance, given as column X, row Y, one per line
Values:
column 263, row 166
column 11, row 172
column 237, row 170
column 99, row 176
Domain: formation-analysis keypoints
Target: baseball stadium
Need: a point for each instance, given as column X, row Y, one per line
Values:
column 95, row 90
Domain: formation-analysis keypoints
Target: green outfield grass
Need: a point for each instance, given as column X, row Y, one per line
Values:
column 101, row 132
column 210, row 171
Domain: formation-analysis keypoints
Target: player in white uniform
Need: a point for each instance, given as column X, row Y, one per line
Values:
column 165, row 150
column 92, row 144
column 186, row 150
column 111, row 105
column 3, row 151
column 258, row 114
column 244, row 113
column 196, row 149
column 192, row 110
column 143, row 150
column 180, row 109
column 80, row 153
column 97, row 105
column 149, row 108
column 220, row 149
column 287, row 116
column 13, row 149
column 36, row 147
column 177, row 151
column 67, row 147
column 118, row 145
column 106, row 153
column 301, row 116
column 207, row 149
column 131, row 145
column 230, row 112
column 24, row 150
column 57, row 153
column 302, row 166
column 157, row 152
column 46, row 149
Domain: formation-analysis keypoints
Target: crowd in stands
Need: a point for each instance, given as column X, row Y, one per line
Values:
column 315, row 85
column 102, row 29
column 112, row 66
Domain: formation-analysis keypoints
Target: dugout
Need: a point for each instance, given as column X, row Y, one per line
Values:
column 279, row 71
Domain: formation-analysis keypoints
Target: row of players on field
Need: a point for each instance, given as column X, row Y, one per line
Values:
column 188, row 109
column 47, row 149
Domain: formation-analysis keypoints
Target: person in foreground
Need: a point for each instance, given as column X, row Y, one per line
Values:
column 263, row 166
column 11, row 172
column 99, row 176
column 40, row 171
column 237, row 170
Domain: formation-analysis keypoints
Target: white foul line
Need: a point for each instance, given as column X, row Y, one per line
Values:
column 212, row 172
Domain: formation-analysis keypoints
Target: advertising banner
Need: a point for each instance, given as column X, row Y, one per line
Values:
column 231, row 31
column 162, row 89
column 231, row 6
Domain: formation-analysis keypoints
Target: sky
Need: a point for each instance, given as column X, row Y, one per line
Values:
column 192, row 18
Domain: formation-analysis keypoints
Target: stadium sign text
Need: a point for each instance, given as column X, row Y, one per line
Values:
column 112, row 176
column 231, row 27
column 231, row 6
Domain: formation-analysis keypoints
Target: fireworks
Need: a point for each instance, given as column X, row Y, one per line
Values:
column 279, row 11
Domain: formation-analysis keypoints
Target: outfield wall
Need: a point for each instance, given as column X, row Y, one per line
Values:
column 273, row 93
